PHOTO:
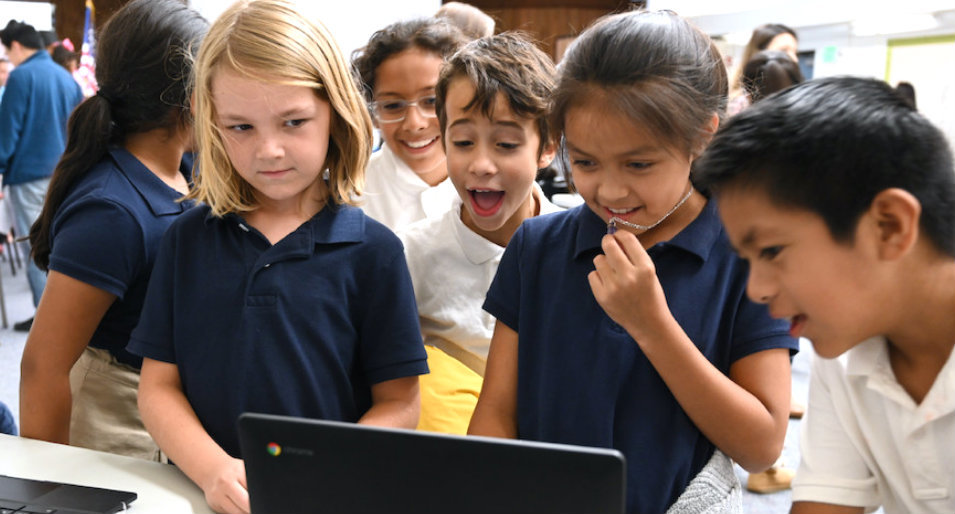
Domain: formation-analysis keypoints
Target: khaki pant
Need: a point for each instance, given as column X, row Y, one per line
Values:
column 105, row 415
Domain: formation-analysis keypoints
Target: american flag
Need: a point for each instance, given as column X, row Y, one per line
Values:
column 86, row 73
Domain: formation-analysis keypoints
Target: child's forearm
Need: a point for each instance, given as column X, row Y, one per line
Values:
column 395, row 414
column 66, row 319
column 178, row 432
column 496, row 411
column 745, row 414
column 486, row 422
column 395, row 403
column 173, row 423
column 45, row 406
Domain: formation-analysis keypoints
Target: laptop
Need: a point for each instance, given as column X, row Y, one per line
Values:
column 305, row 466
column 22, row 496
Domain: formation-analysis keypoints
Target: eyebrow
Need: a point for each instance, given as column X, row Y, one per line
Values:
column 497, row 123
column 748, row 240
column 288, row 113
column 635, row 151
column 421, row 92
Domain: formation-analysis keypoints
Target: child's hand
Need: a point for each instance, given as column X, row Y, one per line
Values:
column 625, row 284
column 226, row 491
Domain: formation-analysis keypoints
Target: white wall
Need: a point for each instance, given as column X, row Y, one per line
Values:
column 351, row 21
column 849, row 37
column 38, row 14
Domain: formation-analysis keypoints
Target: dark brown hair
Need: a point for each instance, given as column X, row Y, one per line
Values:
column 769, row 71
column 507, row 63
column 762, row 36
column 430, row 34
column 654, row 67
column 143, row 64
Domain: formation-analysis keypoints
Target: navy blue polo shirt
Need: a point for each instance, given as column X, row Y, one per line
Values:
column 106, row 234
column 583, row 380
column 300, row 328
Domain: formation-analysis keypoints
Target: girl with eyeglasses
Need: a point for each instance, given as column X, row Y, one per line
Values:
column 407, row 179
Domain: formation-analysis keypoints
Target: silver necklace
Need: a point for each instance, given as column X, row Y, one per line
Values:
column 612, row 224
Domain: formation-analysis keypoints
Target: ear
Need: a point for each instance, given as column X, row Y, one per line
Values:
column 896, row 214
column 709, row 130
column 547, row 155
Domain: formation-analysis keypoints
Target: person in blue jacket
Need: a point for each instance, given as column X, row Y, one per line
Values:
column 114, row 193
column 36, row 104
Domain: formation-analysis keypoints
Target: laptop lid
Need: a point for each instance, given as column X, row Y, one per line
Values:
column 36, row 495
column 304, row 466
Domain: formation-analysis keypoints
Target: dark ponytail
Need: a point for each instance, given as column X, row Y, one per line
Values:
column 143, row 67
column 768, row 72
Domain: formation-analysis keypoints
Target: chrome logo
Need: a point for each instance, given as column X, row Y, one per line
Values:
column 274, row 449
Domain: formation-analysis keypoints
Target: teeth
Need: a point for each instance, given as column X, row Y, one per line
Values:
column 484, row 190
column 419, row 144
column 619, row 211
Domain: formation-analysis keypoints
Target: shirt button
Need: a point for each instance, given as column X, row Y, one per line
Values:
column 268, row 265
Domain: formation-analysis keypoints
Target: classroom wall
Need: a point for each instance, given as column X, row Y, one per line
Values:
column 351, row 22
column 849, row 39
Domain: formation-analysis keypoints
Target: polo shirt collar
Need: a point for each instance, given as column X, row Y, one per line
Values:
column 869, row 360
column 477, row 249
column 867, row 357
column 161, row 198
column 405, row 176
column 338, row 224
column 333, row 224
column 697, row 238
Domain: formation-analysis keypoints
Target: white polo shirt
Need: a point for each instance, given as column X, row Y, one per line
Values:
column 451, row 270
column 396, row 196
column 866, row 443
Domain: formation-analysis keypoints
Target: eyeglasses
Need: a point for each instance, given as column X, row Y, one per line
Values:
column 393, row 111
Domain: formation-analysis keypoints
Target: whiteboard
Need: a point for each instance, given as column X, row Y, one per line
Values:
column 929, row 64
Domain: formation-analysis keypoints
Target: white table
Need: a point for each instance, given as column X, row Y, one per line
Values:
column 162, row 488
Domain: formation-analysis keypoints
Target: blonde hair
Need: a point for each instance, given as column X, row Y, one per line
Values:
column 270, row 40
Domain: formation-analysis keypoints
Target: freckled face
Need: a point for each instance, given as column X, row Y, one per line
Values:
column 275, row 135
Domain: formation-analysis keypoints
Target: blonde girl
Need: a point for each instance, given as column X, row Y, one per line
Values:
column 275, row 294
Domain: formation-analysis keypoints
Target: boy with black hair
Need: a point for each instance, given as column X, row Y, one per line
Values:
column 842, row 199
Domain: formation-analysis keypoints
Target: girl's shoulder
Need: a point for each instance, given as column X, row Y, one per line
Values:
column 349, row 224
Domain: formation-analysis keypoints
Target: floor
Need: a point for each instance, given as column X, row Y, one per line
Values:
column 19, row 307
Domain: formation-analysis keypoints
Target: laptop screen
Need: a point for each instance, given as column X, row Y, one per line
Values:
column 299, row 466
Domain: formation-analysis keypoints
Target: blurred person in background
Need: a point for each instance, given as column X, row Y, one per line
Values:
column 771, row 36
